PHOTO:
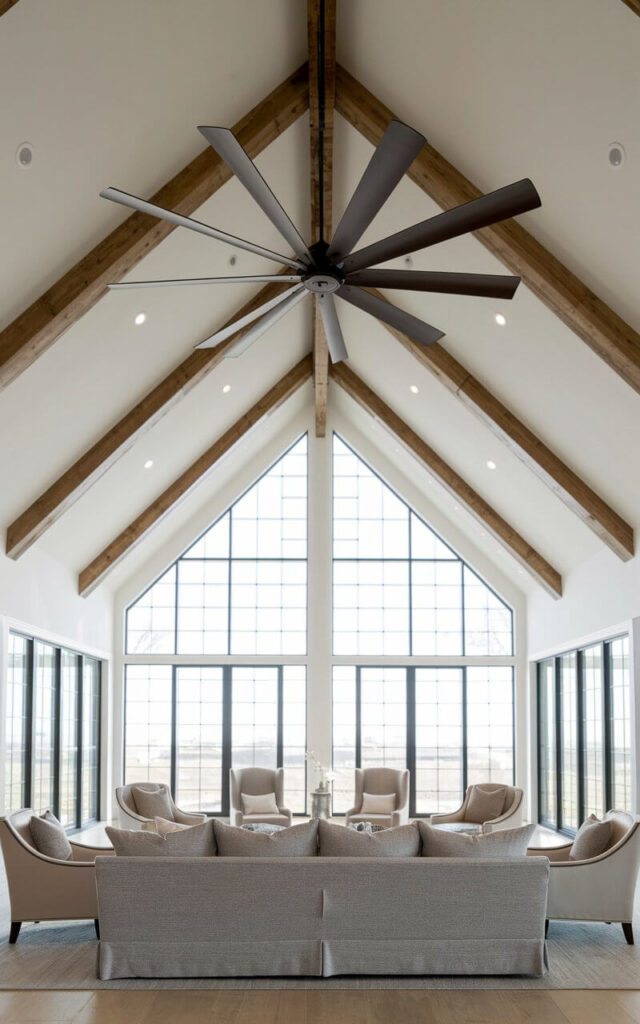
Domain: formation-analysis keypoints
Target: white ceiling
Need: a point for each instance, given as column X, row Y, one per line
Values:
column 111, row 95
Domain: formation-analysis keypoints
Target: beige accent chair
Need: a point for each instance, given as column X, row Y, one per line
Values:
column 511, row 816
column 381, row 781
column 600, row 889
column 42, row 888
column 129, row 817
column 257, row 782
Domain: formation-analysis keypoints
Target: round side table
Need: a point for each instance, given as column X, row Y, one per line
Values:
column 321, row 803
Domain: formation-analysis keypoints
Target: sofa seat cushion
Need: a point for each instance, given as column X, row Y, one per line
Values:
column 49, row 837
column 193, row 841
column 152, row 802
column 511, row 842
column 295, row 841
column 338, row 841
column 592, row 839
column 485, row 804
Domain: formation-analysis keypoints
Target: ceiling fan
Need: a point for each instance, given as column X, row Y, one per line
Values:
column 337, row 267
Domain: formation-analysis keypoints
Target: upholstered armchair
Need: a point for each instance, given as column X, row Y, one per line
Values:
column 257, row 782
column 380, row 782
column 42, row 888
column 602, row 888
column 463, row 819
column 130, row 816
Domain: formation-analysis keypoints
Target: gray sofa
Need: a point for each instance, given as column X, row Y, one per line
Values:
column 322, row 916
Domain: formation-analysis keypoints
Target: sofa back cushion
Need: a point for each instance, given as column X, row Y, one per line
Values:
column 338, row 841
column 152, row 802
column 592, row 839
column 295, row 841
column 485, row 804
column 510, row 842
column 49, row 837
column 196, row 841
column 259, row 803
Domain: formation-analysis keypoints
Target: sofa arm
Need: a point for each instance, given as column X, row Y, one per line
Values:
column 188, row 817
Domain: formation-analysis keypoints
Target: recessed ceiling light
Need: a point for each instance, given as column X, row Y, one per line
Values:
column 140, row 319
column 148, row 464
column 226, row 389
column 616, row 154
column 501, row 319
column 491, row 464
column 414, row 389
column 24, row 155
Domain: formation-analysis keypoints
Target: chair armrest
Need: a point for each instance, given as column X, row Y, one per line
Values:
column 351, row 811
column 188, row 817
column 453, row 816
column 236, row 818
column 87, row 854
column 285, row 811
column 400, row 817
column 553, row 853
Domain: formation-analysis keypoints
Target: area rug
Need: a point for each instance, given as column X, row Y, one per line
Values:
column 63, row 956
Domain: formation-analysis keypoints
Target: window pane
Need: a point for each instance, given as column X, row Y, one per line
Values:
column 437, row 607
column 344, row 737
column 203, row 597
column 148, row 723
column 371, row 607
column 569, row 741
column 547, row 742
column 199, row 739
column 90, row 739
column 438, row 740
column 294, row 737
column 620, row 723
column 488, row 622
column 593, row 732
column 16, row 724
column 68, row 782
column 44, row 698
column 254, row 731
column 383, row 696
column 490, row 725
column 151, row 620
column 268, row 607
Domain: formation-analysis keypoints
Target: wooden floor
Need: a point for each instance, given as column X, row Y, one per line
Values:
column 315, row 1007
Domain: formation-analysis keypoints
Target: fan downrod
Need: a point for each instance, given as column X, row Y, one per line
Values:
column 323, row 275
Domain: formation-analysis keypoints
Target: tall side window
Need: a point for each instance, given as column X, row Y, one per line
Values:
column 18, row 716
column 46, row 728
column 547, row 743
column 620, row 723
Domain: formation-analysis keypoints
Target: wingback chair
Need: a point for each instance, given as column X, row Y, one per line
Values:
column 602, row 888
column 381, row 782
column 42, row 888
column 130, row 817
column 257, row 782
column 509, row 817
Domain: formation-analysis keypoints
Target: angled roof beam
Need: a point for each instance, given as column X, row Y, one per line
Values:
column 98, row 569
column 321, row 34
column 533, row 562
column 75, row 481
column 567, row 485
column 633, row 5
column 84, row 284
column 6, row 5
column 603, row 330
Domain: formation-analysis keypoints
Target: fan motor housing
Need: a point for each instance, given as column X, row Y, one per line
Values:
column 319, row 282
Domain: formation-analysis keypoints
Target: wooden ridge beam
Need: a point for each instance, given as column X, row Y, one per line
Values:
column 321, row 28
column 76, row 480
column 39, row 326
column 97, row 570
column 537, row 566
column 603, row 330
column 594, row 512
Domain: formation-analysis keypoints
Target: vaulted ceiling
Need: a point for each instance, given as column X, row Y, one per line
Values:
column 112, row 95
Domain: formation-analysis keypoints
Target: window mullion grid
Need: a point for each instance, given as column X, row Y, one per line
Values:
column 57, row 746
column 174, row 727
column 227, row 683
column 465, row 767
column 607, row 726
column 559, row 744
column 358, row 718
column 580, row 696
column 30, row 724
column 79, row 735
column 279, row 720
column 411, row 737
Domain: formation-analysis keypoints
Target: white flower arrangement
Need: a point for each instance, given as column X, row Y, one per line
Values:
column 326, row 777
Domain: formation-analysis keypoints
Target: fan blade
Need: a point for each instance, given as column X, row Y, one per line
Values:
column 298, row 292
column 227, row 146
column 499, row 205
column 248, row 318
column 251, row 278
column 188, row 222
column 392, row 158
column 491, row 286
column 262, row 326
column 420, row 331
column 331, row 324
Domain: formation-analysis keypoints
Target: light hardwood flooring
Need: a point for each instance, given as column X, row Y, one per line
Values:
column 314, row 1007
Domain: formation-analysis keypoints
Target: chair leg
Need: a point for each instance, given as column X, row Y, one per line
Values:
column 627, row 928
column 15, row 931
column 546, row 928
column 96, row 925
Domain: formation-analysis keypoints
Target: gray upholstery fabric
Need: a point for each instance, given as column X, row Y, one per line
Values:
column 164, row 827
column 49, row 837
column 591, row 840
column 196, row 841
column 320, row 916
column 510, row 842
column 338, row 841
column 295, row 841
column 484, row 804
column 152, row 803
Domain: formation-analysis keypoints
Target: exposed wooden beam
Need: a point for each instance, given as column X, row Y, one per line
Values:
column 528, row 557
column 96, row 571
column 633, row 5
column 594, row 512
column 6, row 5
column 85, row 283
column 321, row 38
column 76, row 480
column 603, row 330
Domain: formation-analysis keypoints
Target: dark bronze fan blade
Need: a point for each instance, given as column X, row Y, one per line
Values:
column 492, row 286
column 420, row 331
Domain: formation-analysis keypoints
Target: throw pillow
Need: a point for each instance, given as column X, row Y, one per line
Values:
column 164, row 827
column 152, row 803
column 485, row 804
column 193, row 841
column 591, row 839
column 338, row 841
column 295, row 841
column 259, row 803
column 49, row 837
column 510, row 842
column 378, row 803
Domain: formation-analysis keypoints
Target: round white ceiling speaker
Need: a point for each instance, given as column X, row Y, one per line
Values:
column 616, row 154
column 24, row 155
